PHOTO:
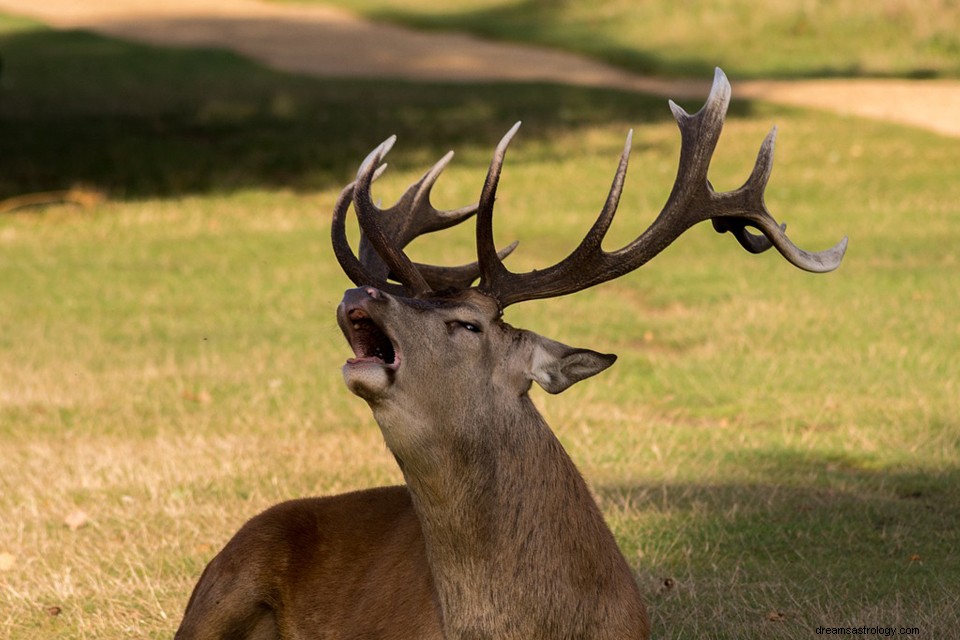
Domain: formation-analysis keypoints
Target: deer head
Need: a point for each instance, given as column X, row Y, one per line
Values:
column 439, row 317
column 447, row 380
column 408, row 338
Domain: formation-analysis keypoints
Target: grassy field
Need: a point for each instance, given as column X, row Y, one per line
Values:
column 776, row 38
column 774, row 451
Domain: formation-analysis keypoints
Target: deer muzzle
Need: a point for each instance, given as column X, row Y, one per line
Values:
column 357, row 316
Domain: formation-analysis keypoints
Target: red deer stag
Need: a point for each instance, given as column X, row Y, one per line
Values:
column 496, row 534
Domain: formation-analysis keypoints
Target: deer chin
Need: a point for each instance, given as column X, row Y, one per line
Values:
column 376, row 359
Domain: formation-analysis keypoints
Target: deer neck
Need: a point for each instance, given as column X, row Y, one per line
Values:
column 507, row 519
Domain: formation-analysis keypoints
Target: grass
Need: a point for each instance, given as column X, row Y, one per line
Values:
column 775, row 451
column 776, row 38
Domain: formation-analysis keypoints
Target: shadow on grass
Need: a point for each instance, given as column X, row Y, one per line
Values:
column 826, row 540
column 141, row 121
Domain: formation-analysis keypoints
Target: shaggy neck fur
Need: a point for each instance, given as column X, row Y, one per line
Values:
column 516, row 544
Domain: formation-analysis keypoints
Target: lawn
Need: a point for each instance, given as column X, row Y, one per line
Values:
column 774, row 450
column 775, row 38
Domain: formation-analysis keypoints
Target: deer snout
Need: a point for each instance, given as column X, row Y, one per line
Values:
column 360, row 296
column 356, row 305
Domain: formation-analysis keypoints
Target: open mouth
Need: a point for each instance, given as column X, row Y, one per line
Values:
column 370, row 344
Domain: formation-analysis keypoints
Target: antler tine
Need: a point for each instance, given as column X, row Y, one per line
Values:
column 691, row 200
column 368, row 214
column 492, row 271
column 590, row 245
column 734, row 211
column 442, row 278
column 354, row 268
column 360, row 273
column 413, row 215
column 509, row 288
column 425, row 218
column 589, row 250
column 378, row 153
column 699, row 133
column 758, row 180
column 754, row 213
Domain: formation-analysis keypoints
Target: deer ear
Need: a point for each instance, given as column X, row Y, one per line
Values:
column 555, row 366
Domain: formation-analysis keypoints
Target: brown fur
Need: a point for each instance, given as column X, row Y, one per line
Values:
column 345, row 567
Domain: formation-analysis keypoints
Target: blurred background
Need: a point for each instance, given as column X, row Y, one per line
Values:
column 775, row 451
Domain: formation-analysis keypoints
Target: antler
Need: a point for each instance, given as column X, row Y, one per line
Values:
column 387, row 231
column 692, row 200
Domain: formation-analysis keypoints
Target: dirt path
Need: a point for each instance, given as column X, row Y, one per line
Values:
column 324, row 41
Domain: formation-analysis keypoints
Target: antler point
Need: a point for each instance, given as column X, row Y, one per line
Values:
column 679, row 113
column 508, row 136
column 720, row 91
column 384, row 147
column 376, row 156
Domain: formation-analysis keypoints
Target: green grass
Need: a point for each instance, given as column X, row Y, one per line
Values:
column 748, row 39
column 770, row 442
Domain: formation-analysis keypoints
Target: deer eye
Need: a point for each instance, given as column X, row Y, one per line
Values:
column 462, row 324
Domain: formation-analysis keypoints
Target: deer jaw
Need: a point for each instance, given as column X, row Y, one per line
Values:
column 442, row 349
column 372, row 371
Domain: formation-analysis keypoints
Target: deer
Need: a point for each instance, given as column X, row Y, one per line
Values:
column 495, row 533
